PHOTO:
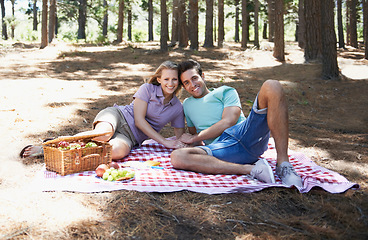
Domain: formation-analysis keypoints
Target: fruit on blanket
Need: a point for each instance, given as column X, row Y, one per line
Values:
column 113, row 174
column 114, row 165
column 101, row 169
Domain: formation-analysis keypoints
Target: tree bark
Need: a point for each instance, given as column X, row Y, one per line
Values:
column 35, row 21
column 279, row 49
column 353, row 24
column 330, row 69
column 365, row 27
column 339, row 24
column 174, row 23
column 182, row 25
column 271, row 20
column 164, row 35
column 150, row 20
column 44, row 41
column 313, row 45
column 256, row 24
column 193, row 24
column 237, row 21
column 119, row 33
column 221, row 23
column 52, row 20
column 4, row 31
column 208, row 39
column 82, row 18
column 244, row 24
column 105, row 22
column 301, row 24
column 129, row 10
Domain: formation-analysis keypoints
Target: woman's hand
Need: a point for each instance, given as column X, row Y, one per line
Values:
column 174, row 144
column 187, row 138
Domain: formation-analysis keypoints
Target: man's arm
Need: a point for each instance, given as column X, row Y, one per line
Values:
column 230, row 116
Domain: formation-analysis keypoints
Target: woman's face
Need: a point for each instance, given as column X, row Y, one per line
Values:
column 169, row 81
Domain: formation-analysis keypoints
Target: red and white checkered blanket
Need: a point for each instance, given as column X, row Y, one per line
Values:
column 168, row 179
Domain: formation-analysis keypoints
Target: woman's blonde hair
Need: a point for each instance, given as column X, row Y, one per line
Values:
column 165, row 65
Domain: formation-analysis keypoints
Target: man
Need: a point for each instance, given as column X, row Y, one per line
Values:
column 233, row 143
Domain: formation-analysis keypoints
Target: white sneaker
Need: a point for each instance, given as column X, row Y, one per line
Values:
column 288, row 175
column 263, row 172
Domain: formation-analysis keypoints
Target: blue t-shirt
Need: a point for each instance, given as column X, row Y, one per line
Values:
column 158, row 114
column 202, row 113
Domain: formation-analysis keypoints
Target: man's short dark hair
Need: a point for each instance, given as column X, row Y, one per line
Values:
column 189, row 64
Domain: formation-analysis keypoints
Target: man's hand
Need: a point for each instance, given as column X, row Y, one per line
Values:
column 190, row 139
column 174, row 144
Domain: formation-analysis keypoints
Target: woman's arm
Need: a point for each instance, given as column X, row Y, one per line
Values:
column 140, row 110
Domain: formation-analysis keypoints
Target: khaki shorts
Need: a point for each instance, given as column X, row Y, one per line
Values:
column 117, row 120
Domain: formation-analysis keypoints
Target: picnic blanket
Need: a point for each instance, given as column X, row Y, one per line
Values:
column 165, row 178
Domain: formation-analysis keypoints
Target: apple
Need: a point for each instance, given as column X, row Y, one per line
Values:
column 63, row 144
column 101, row 169
column 114, row 165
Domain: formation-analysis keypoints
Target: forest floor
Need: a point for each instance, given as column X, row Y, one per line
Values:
column 58, row 90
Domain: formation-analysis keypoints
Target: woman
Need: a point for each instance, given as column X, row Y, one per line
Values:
column 154, row 105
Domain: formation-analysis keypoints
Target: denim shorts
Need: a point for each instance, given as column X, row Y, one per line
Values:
column 244, row 142
column 117, row 120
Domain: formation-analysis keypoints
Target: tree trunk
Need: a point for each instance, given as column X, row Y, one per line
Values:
column 82, row 18
column 208, row 39
column 35, row 21
column 339, row 24
column 271, row 20
column 301, row 24
column 353, row 24
column 12, row 24
column 221, row 23
column 105, row 22
column 330, row 69
column 52, row 20
column 244, row 24
column 348, row 28
column 279, row 49
column 175, row 23
column 164, row 35
column 193, row 24
column 264, row 33
column 150, row 20
column 129, row 10
column 182, row 25
column 3, row 23
column 237, row 21
column 256, row 24
column 119, row 32
column 365, row 27
column 313, row 45
column 44, row 41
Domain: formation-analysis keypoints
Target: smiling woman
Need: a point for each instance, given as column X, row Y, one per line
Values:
column 155, row 104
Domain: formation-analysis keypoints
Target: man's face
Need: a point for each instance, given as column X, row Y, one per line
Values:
column 194, row 83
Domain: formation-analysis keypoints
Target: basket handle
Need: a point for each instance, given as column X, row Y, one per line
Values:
column 75, row 138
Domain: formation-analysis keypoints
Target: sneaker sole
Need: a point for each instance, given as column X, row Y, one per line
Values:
column 269, row 169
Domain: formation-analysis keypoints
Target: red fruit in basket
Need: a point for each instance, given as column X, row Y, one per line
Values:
column 101, row 169
column 63, row 144
column 114, row 165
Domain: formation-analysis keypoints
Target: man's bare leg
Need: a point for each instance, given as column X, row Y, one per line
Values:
column 272, row 97
column 197, row 160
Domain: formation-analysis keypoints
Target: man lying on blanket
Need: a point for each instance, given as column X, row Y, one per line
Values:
column 233, row 143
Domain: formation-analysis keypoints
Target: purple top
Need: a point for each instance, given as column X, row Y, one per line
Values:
column 158, row 114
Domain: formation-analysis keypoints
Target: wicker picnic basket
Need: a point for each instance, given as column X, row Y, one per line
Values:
column 71, row 161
